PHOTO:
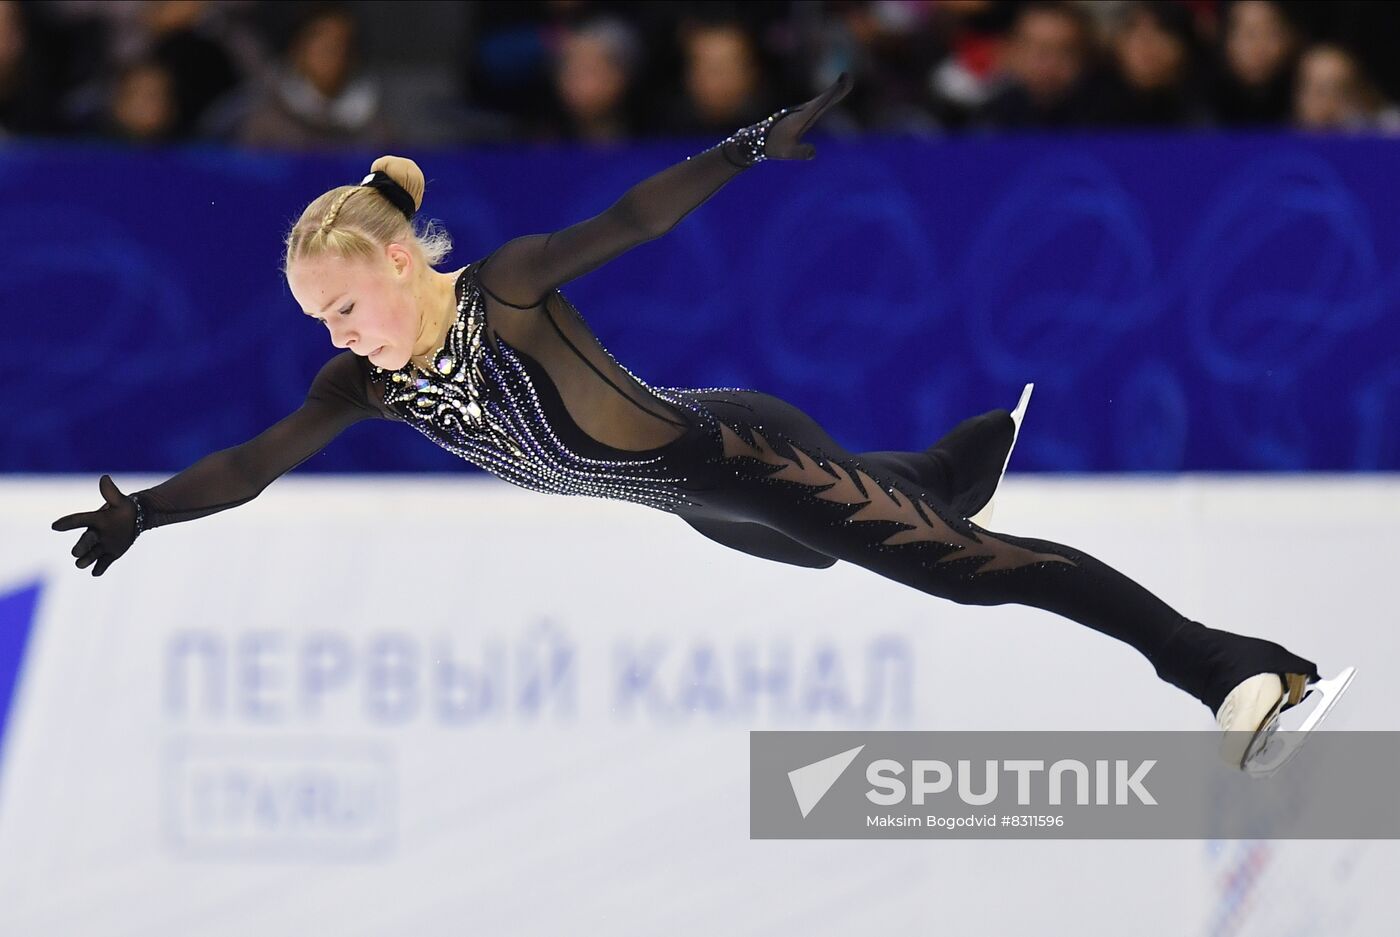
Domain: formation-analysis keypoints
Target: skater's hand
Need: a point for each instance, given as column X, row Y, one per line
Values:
column 789, row 124
column 110, row 530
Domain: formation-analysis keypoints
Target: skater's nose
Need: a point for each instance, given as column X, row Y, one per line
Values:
column 342, row 337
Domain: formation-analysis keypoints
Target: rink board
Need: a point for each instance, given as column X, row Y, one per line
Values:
column 442, row 706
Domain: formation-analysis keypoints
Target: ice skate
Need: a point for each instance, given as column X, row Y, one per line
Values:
column 1249, row 718
column 984, row 516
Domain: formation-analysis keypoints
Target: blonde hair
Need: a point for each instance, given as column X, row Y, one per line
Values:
column 355, row 222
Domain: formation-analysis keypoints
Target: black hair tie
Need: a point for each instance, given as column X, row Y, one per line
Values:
column 391, row 190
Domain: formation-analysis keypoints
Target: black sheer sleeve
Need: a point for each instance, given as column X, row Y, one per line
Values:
column 520, row 273
column 338, row 399
column 340, row 396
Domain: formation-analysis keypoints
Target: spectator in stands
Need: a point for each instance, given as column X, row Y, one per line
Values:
column 725, row 87
column 144, row 107
column 505, row 67
column 27, row 105
column 1333, row 94
column 508, row 69
column 317, row 98
column 594, row 73
column 974, row 35
column 249, row 72
column 202, row 69
column 1254, row 83
column 889, row 48
column 92, row 46
column 1047, row 80
column 1155, row 57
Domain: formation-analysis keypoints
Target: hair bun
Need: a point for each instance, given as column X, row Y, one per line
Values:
column 405, row 172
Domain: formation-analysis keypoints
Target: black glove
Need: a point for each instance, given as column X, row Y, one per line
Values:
column 110, row 529
column 779, row 136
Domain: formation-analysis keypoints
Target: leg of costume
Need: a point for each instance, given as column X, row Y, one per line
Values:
column 772, row 465
column 963, row 468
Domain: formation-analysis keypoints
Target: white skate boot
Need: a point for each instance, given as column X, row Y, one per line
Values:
column 1249, row 717
column 984, row 516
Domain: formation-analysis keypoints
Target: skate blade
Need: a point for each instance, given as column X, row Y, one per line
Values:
column 1270, row 752
column 1020, row 411
column 982, row 517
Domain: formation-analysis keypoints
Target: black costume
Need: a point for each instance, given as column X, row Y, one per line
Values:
column 522, row 388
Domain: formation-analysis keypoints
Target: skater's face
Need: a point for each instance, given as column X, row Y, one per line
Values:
column 369, row 307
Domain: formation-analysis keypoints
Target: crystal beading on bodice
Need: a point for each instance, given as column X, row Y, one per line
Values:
column 482, row 405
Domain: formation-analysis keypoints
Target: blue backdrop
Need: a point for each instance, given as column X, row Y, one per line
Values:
column 1182, row 302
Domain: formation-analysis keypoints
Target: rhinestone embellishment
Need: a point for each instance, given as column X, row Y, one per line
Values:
column 482, row 405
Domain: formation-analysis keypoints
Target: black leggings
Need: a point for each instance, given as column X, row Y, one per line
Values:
column 774, row 484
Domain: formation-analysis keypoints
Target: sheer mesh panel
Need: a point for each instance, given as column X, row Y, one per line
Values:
column 839, row 482
column 602, row 399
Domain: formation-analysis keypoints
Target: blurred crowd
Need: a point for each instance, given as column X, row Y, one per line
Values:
column 298, row 75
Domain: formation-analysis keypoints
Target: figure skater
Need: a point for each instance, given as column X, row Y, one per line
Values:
column 493, row 363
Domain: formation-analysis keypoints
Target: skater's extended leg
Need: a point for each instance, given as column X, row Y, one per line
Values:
column 783, row 471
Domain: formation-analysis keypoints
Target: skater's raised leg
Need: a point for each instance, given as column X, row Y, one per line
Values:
column 780, row 469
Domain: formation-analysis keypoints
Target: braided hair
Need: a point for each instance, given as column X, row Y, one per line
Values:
column 355, row 222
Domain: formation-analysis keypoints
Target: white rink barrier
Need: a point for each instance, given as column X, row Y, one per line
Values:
column 362, row 706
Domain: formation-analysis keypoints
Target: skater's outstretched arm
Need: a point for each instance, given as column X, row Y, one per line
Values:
column 230, row 477
column 522, row 272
